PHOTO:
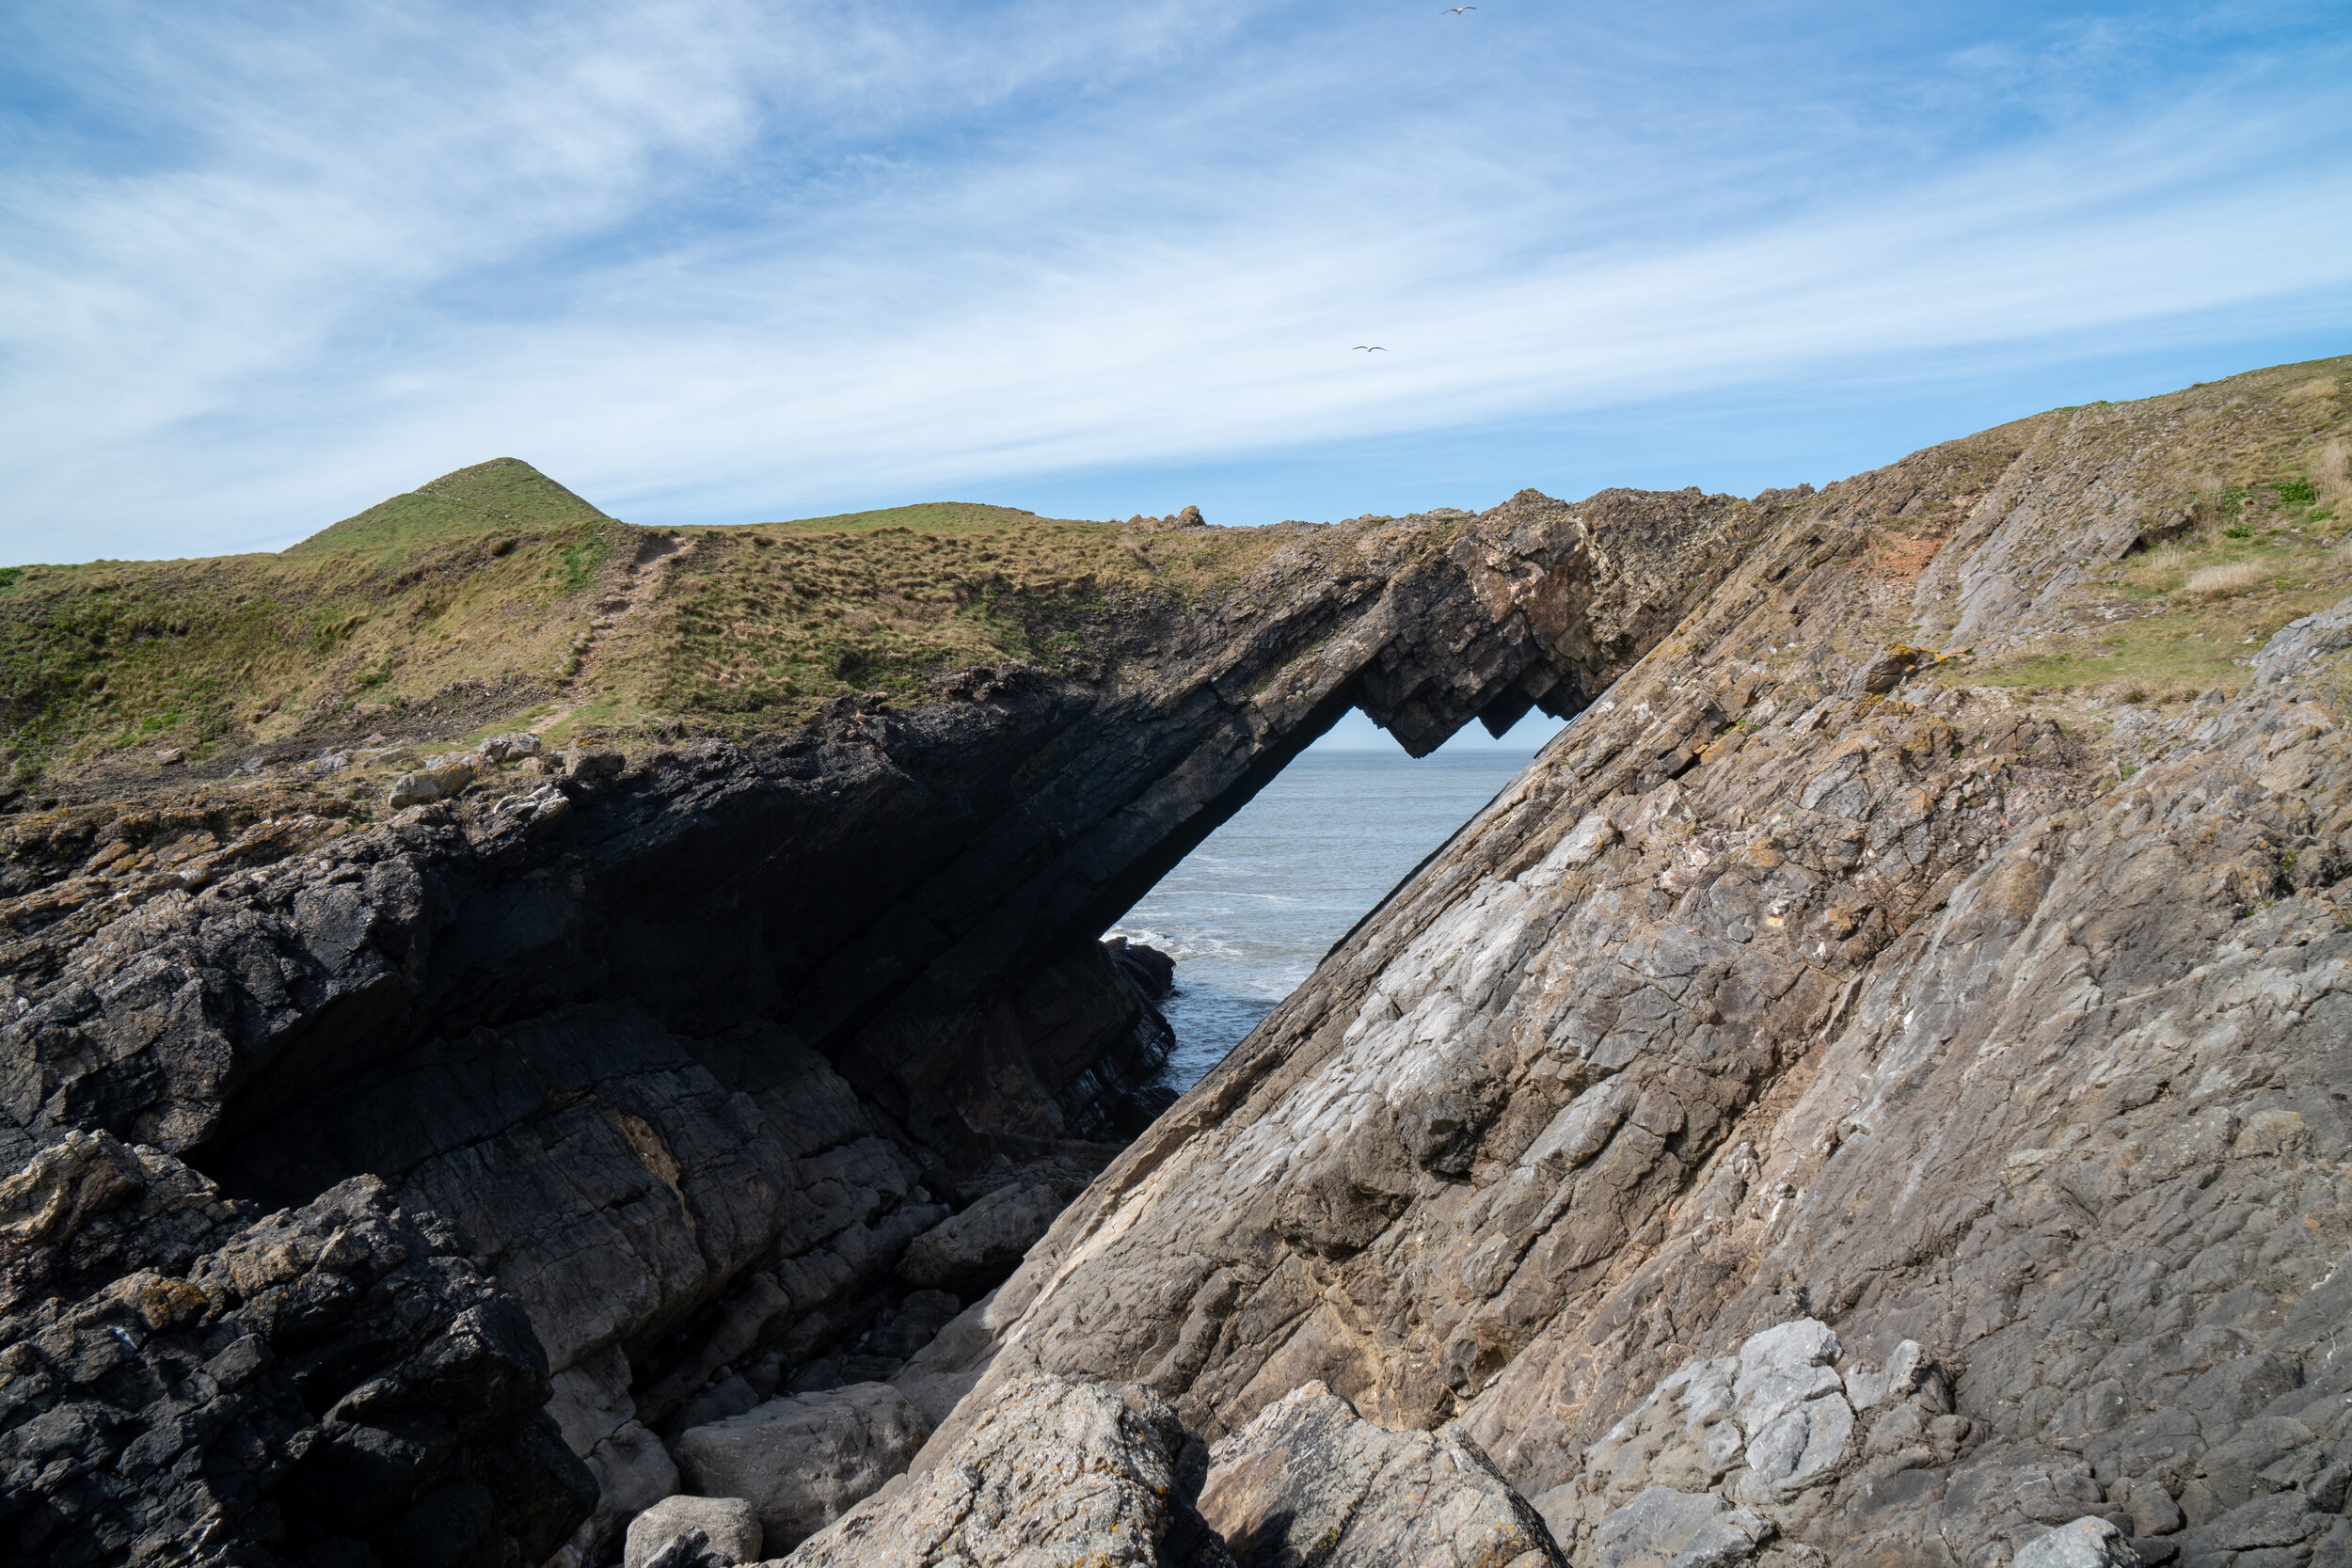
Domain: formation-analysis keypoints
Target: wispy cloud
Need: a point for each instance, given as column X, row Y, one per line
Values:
column 717, row 262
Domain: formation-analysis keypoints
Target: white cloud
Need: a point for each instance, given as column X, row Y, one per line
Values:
column 700, row 262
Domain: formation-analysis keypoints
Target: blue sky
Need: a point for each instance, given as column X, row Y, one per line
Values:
column 262, row 265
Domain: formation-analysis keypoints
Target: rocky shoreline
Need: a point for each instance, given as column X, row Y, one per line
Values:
column 1830, row 1108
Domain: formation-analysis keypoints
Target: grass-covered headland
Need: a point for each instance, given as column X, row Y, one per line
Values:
column 493, row 596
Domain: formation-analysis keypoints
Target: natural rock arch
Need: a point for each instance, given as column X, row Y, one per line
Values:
column 705, row 1044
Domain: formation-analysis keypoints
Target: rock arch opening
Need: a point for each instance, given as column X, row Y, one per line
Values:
column 692, row 1059
column 1248, row 914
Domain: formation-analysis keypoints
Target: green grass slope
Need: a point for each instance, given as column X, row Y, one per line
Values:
column 468, row 583
column 504, row 495
column 494, row 596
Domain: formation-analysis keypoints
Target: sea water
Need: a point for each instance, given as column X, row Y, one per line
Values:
column 1248, row 914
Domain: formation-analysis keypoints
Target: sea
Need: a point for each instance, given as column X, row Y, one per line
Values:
column 1250, row 913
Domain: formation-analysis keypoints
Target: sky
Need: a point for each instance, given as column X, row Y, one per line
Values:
column 706, row 262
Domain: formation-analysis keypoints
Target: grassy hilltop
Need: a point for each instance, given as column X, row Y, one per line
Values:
column 494, row 595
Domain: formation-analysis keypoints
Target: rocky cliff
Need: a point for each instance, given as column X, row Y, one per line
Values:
column 689, row 1054
column 1970, row 1002
column 1991, row 1035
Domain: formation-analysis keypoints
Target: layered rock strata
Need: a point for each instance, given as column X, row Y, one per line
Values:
column 1997, row 1038
column 1801, row 980
column 691, row 1056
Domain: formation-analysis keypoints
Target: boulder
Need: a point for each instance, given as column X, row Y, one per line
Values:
column 729, row 1527
column 1663, row 1527
column 2087, row 1543
column 1310, row 1482
column 508, row 747
column 980, row 1247
column 439, row 780
column 805, row 1459
column 587, row 763
column 1053, row 1472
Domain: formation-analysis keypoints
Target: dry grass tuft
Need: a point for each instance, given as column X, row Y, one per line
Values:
column 2170, row 557
column 2331, row 472
column 2237, row 578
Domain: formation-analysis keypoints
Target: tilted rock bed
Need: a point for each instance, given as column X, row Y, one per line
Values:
column 2012, row 1031
column 1975, row 1055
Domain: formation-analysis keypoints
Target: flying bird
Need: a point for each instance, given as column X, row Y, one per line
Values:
column 1456, row 10
column 1370, row 348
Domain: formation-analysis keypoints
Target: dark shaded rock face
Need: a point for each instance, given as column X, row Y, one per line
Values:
column 189, row 1381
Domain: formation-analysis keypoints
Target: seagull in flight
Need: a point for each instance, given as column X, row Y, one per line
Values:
column 1456, row 10
column 1370, row 348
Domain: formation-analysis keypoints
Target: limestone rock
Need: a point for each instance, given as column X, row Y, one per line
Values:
column 1666, row 1529
column 978, row 1246
column 1868, row 1387
column 1311, row 1482
column 442, row 779
column 729, row 1526
column 1746, row 1440
column 805, row 1459
column 2291, row 651
column 2088, row 1542
column 1759, row 997
column 1053, row 1472
column 1782, row 1368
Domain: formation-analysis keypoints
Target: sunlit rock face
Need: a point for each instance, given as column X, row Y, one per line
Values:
column 1995, row 1041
